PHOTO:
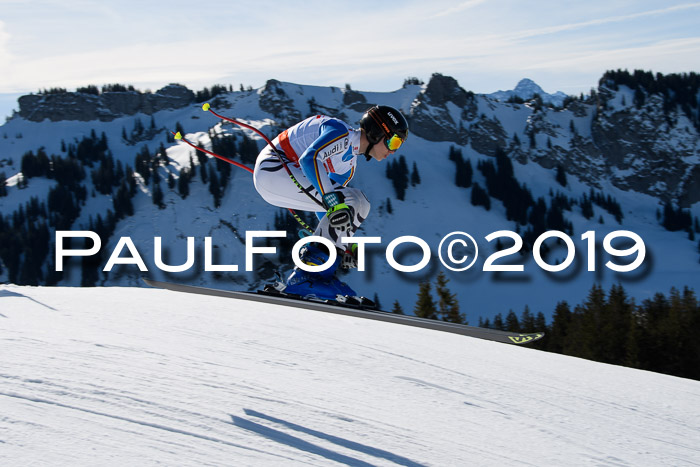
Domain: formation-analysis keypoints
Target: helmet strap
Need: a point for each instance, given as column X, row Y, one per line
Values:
column 370, row 145
column 366, row 154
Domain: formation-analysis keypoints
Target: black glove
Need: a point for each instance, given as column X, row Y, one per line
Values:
column 340, row 215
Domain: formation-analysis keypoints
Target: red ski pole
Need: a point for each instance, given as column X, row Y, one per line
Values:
column 179, row 137
column 207, row 108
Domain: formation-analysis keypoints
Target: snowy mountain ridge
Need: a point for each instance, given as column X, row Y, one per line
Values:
column 107, row 106
column 526, row 89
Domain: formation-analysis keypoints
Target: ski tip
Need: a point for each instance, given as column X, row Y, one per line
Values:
column 526, row 338
column 178, row 136
column 206, row 106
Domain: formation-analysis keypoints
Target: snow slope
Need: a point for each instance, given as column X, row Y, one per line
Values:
column 126, row 376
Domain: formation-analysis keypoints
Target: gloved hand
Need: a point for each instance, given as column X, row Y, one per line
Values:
column 348, row 258
column 340, row 215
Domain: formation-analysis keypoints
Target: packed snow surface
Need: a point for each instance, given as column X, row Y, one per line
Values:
column 133, row 376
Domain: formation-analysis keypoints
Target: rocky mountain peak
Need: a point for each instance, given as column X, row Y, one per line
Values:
column 105, row 106
column 442, row 89
column 275, row 100
column 526, row 89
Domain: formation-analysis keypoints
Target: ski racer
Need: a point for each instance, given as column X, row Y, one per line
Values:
column 321, row 154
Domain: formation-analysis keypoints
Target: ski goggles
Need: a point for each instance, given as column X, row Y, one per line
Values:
column 393, row 142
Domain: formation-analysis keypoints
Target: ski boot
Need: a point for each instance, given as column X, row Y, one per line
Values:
column 319, row 285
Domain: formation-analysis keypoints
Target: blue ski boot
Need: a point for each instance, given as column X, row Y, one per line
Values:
column 321, row 285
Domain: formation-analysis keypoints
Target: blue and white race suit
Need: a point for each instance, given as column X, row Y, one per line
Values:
column 321, row 152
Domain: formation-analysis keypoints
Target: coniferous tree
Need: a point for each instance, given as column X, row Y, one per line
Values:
column 122, row 202
column 63, row 207
column 193, row 168
column 467, row 173
column 498, row 323
column 214, row 186
column 162, row 155
column 586, row 207
column 202, row 159
column 119, row 173
column 154, row 170
column 138, row 129
column 448, row 306
column 248, row 150
column 463, row 169
column 425, row 305
column 639, row 98
column 452, row 153
column 142, row 164
column 657, row 333
column 224, row 171
column 377, row 304
column 397, row 309
column 479, row 197
column 415, row 176
column 533, row 141
column 559, row 330
column 675, row 219
column 204, row 175
column 615, row 328
column 561, row 176
column 586, row 321
column 183, row 183
column 104, row 176
column 540, row 322
column 512, row 323
column 10, row 239
column 397, row 172
column 131, row 181
column 527, row 320
column 158, row 195
column 179, row 129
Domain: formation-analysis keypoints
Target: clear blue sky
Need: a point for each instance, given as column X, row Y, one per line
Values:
column 487, row 45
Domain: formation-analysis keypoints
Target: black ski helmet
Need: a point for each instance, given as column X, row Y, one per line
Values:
column 383, row 121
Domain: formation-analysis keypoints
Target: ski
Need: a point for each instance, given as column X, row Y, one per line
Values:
column 355, row 310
